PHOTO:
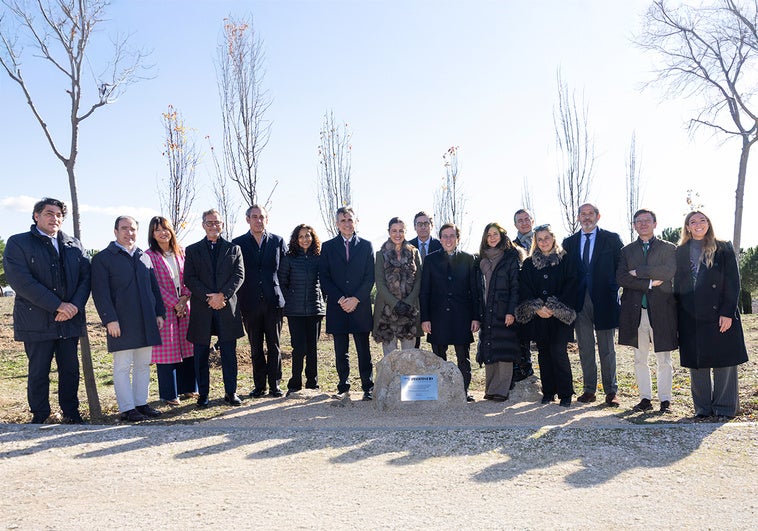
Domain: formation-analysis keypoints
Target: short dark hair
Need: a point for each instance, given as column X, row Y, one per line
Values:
column 344, row 210
column 40, row 205
column 209, row 212
column 259, row 207
column 644, row 211
column 422, row 213
column 450, row 226
column 118, row 220
column 393, row 221
column 522, row 211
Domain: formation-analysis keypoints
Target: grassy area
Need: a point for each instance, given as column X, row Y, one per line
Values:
column 14, row 409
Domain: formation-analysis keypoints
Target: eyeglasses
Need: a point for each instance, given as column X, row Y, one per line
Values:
column 546, row 226
column 213, row 223
column 423, row 223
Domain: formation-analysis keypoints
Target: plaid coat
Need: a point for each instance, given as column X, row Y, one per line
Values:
column 174, row 345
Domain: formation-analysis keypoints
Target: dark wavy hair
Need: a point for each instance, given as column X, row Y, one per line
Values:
column 163, row 223
column 314, row 249
column 505, row 241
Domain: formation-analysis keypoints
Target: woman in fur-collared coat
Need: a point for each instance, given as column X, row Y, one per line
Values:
column 547, row 287
column 397, row 272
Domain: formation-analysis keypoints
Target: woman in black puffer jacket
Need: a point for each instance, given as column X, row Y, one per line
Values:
column 498, row 269
column 304, row 304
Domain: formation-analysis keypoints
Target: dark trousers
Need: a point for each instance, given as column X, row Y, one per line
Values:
column 526, row 353
column 40, row 355
column 464, row 363
column 555, row 369
column 228, row 366
column 176, row 379
column 304, row 334
column 263, row 321
column 342, row 361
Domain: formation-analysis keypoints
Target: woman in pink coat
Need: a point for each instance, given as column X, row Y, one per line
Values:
column 173, row 357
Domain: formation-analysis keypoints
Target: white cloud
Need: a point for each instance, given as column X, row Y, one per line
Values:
column 19, row 203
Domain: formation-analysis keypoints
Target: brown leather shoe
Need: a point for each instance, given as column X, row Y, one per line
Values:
column 611, row 400
column 586, row 397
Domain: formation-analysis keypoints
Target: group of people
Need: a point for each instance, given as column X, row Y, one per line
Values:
column 170, row 306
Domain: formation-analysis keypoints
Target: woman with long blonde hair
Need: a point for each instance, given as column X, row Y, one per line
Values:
column 711, row 341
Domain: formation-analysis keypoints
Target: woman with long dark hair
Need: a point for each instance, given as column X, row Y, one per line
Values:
column 711, row 340
column 397, row 273
column 173, row 357
column 548, row 284
column 304, row 304
column 498, row 349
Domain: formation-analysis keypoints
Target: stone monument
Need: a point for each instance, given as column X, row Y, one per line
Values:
column 417, row 380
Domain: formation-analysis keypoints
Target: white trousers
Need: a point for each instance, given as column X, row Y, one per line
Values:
column 665, row 369
column 405, row 344
column 131, row 377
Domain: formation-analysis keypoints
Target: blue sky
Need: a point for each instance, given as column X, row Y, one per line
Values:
column 412, row 79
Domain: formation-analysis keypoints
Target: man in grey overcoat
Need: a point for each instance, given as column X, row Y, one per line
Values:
column 648, row 308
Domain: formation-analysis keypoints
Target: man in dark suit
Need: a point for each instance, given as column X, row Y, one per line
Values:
column 424, row 241
column 346, row 272
column 524, row 222
column 261, row 300
column 214, row 272
column 51, row 276
column 596, row 254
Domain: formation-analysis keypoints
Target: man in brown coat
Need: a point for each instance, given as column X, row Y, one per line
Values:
column 648, row 309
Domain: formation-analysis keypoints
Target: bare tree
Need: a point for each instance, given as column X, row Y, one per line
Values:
column 449, row 199
column 709, row 52
column 226, row 203
column 576, row 154
column 60, row 32
column 244, row 102
column 182, row 156
column 527, row 199
column 633, row 191
column 334, row 170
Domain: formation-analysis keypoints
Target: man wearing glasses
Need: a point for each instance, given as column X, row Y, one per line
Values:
column 424, row 241
column 648, row 309
column 214, row 272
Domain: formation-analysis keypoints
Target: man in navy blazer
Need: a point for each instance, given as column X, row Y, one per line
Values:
column 346, row 272
column 596, row 253
column 424, row 241
column 261, row 300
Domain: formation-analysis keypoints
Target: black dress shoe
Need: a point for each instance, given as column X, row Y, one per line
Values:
column 38, row 419
column 547, row 399
column 565, row 402
column 644, row 405
column 587, row 397
column 232, row 399
column 276, row 393
column 312, row 386
column 132, row 416
column 203, row 402
column 665, row 406
column 149, row 411
column 257, row 393
column 73, row 419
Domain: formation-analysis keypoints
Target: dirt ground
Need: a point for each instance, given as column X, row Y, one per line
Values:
column 310, row 462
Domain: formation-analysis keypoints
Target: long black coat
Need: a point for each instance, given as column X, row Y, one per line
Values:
column 450, row 297
column 42, row 281
column 125, row 289
column 699, row 306
column 498, row 342
column 340, row 278
column 299, row 281
column 660, row 264
column 198, row 277
column 547, row 281
column 600, row 279
column 261, row 281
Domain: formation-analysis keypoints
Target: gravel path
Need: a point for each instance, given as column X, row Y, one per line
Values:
column 311, row 462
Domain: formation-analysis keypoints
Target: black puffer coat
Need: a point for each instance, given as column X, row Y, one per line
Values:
column 498, row 342
column 298, row 278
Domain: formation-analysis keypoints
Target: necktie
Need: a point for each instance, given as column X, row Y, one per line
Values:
column 423, row 249
column 347, row 250
column 586, row 252
column 645, row 247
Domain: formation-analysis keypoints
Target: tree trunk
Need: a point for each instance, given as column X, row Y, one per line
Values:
column 739, row 193
column 90, row 384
